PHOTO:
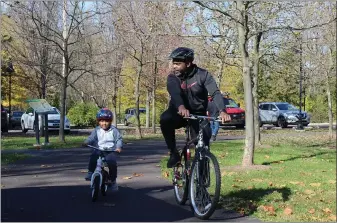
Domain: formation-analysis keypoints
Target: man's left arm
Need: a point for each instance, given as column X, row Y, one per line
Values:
column 214, row 91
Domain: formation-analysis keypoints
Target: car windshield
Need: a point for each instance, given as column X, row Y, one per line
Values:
column 55, row 111
column 230, row 103
column 286, row 107
column 17, row 114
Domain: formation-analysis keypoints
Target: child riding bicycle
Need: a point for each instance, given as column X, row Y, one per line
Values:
column 105, row 135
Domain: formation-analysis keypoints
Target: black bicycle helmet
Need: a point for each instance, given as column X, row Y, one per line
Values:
column 182, row 54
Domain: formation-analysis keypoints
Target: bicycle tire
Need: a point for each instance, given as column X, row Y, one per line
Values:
column 180, row 199
column 216, row 196
column 104, row 186
column 95, row 189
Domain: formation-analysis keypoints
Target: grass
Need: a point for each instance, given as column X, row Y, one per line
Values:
column 300, row 184
column 12, row 157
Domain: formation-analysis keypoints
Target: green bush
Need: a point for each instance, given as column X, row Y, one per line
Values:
column 142, row 118
column 83, row 114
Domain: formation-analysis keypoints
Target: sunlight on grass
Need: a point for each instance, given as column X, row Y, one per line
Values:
column 300, row 184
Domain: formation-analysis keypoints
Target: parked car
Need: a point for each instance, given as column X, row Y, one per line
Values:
column 15, row 118
column 237, row 114
column 131, row 112
column 28, row 119
column 4, row 120
column 281, row 114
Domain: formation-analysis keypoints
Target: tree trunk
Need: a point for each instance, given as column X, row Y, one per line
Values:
column 247, row 84
column 114, row 99
column 65, row 70
column 148, row 100
column 256, row 66
column 137, row 95
column 63, row 105
column 219, row 77
column 154, row 86
column 328, row 92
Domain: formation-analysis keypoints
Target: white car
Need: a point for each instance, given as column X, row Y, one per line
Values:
column 28, row 118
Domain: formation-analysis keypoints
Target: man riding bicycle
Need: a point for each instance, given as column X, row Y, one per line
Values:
column 188, row 86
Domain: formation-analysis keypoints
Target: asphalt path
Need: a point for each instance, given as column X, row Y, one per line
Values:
column 50, row 187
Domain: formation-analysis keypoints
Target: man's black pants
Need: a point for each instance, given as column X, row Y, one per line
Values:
column 170, row 120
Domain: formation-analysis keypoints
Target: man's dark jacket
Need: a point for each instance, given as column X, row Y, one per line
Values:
column 191, row 89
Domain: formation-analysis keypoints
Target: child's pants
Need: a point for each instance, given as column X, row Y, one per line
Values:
column 111, row 160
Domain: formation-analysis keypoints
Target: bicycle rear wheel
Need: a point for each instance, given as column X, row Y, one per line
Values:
column 204, row 189
column 180, row 182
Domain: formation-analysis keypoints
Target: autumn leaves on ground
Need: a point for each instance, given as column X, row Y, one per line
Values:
column 299, row 185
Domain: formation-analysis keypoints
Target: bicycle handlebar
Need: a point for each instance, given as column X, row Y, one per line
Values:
column 106, row 149
column 195, row 117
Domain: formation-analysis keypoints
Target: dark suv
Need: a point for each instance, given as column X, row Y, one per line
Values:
column 4, row 120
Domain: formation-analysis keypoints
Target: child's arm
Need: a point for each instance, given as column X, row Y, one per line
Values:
column 119, row 140
column 92, row 139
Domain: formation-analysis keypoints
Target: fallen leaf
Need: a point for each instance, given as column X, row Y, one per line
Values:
column 327, row 210
column 332, row 181
column 127, row 178
column 166, row 174
column 309, row 192
column 267, row 157
column 288, row 211
column 332, row 217
column 270, row 184
column 235, row 186
column 137, row 174
column 311, row 211
column 250, row 187
column 109, row 205
column 238, row 180
column 315, row 184
column 84, row 171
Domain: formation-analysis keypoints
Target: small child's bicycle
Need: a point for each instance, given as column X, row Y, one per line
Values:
column 100, row 179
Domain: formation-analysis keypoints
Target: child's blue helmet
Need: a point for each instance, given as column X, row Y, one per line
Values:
column 104, row 114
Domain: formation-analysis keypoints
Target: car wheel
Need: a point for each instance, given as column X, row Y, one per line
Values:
column 281, row 122
column 24, row 130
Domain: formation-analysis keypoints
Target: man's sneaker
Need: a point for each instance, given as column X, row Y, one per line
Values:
column 173, row 160
column 88, row 177
column 213, row 137
column 114, row 186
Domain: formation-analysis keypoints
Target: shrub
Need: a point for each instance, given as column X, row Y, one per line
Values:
column 83, row 114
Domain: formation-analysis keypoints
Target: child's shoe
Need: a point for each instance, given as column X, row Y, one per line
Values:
column 88, row 177
column 114, row 186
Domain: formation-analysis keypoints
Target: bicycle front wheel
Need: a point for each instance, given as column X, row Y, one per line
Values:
column 204, row 190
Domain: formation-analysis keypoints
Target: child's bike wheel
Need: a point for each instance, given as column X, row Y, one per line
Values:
column 95, row 189
column 204, row 189
column 180, row 183
column 104, row 187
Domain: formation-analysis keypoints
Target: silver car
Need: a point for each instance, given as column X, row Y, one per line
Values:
column 281, row 114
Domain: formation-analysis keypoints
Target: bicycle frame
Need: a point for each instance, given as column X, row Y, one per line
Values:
column 101, row 164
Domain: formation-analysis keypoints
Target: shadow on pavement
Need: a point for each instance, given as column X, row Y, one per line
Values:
column 73, row 203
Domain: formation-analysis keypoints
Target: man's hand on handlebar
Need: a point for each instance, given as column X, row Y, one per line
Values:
column 225, row 117
column 118, row 150
column 183, row 111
